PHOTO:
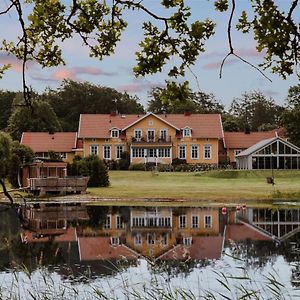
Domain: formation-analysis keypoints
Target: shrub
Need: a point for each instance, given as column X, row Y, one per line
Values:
column 124, row 162
column 137, row 167
column 178, row 161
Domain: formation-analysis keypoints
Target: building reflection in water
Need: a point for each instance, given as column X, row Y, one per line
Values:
column 99, row 236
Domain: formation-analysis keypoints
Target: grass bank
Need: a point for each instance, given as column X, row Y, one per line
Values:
column 213, row 185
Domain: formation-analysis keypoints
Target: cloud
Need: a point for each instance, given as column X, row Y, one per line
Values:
column 72, row 73
column 15, row 63
column 271, row 93
column 138, row 87
column 243, row 52
column 217, row 64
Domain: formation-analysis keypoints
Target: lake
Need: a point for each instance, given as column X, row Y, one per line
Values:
column 73, row 251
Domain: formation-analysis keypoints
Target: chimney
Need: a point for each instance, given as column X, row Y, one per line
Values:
column 187, row 113
column 113, row 113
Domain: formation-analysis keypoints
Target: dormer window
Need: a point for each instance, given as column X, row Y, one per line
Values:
column 114, row 133
column 187, row 132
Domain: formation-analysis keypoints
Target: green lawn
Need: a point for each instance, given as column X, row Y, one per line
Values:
column 214, row 185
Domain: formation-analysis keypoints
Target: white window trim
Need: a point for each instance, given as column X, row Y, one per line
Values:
column 94, row 145
column 210, row 152
column 179, row 223
column 211, row 221
column 190, row 132
column 235, row 153
column 179, row 151
column 187, row 241
column 161, row 130
column 118, row 216
column 116, row 149
column 154, row 238
column 140, row 239
column 104, row 225
column 138, row 130
column 114, row 130
column 167, row 240
column 197, row 152
column 151, row 129
column 106, row 158
column 193, row 223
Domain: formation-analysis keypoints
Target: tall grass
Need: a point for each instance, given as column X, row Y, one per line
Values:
column 43, row 285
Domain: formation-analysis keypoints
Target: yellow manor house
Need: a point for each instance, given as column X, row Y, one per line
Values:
column 152, row 138
column 160, row 138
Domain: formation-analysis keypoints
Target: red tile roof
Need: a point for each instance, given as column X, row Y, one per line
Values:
column 99, row 248
column 240, row 232
column 58, row 235
column 44, row 141
column 98, row 125
column 203, row 247
column 241, row 140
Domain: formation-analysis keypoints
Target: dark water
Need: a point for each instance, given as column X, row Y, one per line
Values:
column 193, row 248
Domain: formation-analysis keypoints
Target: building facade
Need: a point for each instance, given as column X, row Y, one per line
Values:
column 152, row 138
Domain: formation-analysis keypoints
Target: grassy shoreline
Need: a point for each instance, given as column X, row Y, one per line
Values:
column 227, row 185
column 222, row 187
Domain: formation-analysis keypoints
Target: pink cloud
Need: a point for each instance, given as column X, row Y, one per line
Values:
column 217, row 64
column 15, row 63
column 72, row 73
column 138, row 87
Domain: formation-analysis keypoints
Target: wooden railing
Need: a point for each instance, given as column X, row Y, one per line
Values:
column 53, row 184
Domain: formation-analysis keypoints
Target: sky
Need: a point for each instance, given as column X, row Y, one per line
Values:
column 116, row 71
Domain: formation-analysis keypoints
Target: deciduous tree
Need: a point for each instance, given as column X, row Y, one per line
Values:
column 74, row 98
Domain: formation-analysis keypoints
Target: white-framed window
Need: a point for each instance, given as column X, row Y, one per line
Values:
column 138, row 152
column 119, row 223
column 151, row 152
column 114, row 133
column 164, row 239
column 150, row 238
column 119, row 151
column 94, row 149
column 187, row 241
column 106, row 152
column 138, row 134
column 138, row 222
column 63, row 155
column 138, row 239
column 107, row 223
column 194, row 152
column 150, row 135
column 115, row 241
column 187, row 132
column 236, row 152
column 195, row 222
column 182, row 151
column 182, row 221
column 207, row 222
column 207, row 151
column 164, row 152
column 163, row 134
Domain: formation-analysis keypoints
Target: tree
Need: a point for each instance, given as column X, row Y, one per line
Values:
column 6, row 100
column 20, row 154
column 74, row 98
column 254, row 111
column 5, row 156
column 39, row 117
column 93, row 167
column 99, row 25
column 291, row 117
column 179, row 98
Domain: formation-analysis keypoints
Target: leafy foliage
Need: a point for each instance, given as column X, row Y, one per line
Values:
column 254, row 111
column 39, row 117
column 75, row 98
column 291, row 117
column 179, row 98
column 93, row 167
column 6, row 101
